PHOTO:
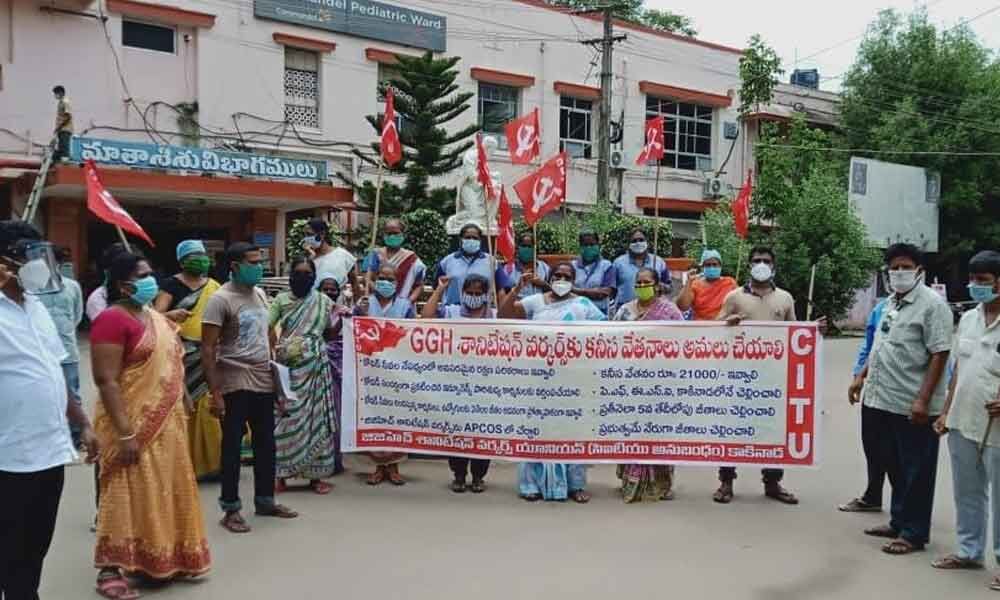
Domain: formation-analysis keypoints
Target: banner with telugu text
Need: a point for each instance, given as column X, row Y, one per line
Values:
column 642, row 392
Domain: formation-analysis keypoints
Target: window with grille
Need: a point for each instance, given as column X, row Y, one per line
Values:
column 387, row 73
column 302, row 87
column 148, row 37
column 687, row 131
column 498, row 104
column 574, row 126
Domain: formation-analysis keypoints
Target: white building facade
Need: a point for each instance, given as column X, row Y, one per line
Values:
column 294, row 79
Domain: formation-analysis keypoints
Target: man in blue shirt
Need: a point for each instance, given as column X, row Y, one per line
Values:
column 627, row 266
column 596, row 277
column 871, row 500
column 520, row 265
column 467, row 260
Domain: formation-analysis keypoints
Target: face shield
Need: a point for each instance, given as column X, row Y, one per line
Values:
column 37, row 267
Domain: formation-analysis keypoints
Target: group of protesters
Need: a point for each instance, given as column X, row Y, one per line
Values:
column 191, row 369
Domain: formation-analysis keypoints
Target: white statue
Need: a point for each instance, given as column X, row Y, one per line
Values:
column 471, row 205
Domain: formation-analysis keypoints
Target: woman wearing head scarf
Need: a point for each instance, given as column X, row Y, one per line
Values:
column 549, row 481
column 304, row 434
column 474, row 305
column 386, row 303
column 183, row 297
column 647, row 482
column 149, row 520
column 335, row 353
column 705, row 292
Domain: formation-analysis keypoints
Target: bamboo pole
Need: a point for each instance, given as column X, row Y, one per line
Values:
column 121, row 236
column 809, row 302
column 656, row 212
column 378, row 204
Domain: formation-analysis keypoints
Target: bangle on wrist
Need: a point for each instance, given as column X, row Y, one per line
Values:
column 128, row 437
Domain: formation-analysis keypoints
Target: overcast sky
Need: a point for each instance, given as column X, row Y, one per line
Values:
column 829, row 29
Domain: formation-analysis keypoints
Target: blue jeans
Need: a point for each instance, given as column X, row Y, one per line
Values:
column 71, row 372
column 972, row 478
column 909, row 455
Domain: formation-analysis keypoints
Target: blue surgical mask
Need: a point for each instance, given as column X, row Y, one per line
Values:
column 984, row 294
column 385, row 289
column 146, row 290
column 470, row 246
column 713, row 273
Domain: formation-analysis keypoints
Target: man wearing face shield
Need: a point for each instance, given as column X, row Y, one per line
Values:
column 904, row 386
column 35, row 441
column 758, row 300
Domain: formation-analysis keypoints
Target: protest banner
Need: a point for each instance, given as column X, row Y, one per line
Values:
column 659, row 392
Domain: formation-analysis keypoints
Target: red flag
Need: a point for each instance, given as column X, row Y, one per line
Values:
column 505, row 238
column 653, row 148
column 392, row 151
column 483, row 169
column 544, row 190
column 741, row 207
column 522, row 138
column 105, row 207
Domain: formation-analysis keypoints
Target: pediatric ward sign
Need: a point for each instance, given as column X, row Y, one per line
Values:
column 696, row 393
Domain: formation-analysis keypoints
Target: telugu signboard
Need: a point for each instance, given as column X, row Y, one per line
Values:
column 362, row 18
column 679, row 393
column 153, row 156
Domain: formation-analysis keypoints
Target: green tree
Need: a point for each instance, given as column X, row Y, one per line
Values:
column 760, row 67
column 426, row 99
column 915, row 88
column 634, row 11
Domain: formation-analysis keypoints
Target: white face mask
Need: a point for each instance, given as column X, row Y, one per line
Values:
column 561, row 287
column 761, row 272
column 34, row 275
column 902, row 282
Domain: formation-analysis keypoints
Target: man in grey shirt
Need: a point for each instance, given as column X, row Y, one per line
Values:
column 903, row 385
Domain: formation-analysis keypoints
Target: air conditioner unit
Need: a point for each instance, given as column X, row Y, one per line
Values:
column 715, row 187
column 618, row 160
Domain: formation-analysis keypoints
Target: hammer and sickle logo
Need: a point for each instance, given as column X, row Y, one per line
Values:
column 652, row 143
column 525, row 139
column 544, row 192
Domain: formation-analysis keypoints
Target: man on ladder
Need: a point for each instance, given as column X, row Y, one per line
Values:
column 64, row 123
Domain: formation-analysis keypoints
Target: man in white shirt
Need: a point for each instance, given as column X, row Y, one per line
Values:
column 35, row 442
column 972, row 405
column 337, row 262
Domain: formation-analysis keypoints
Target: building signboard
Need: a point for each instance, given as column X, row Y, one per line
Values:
column 361, row 18
column 153, row 156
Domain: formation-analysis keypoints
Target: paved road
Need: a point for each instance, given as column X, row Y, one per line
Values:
column 421, row 541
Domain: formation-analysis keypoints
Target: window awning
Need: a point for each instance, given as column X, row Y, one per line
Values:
column 502, row 77
column 304, row 43
column 575, row 90
column 161, row 13
column 663, row 90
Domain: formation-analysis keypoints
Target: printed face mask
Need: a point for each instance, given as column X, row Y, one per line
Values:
column 761, row 272
column 638, row 247
column 473, row 301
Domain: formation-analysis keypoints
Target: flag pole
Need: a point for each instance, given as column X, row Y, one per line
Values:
column 378, row 203
column 534, row 241
column 809, row 304
column 121, row 236
column 656, row 212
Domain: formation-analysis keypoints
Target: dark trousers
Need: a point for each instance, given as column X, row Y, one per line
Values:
column 910, row 455
column 62, row 145
column 29, row 503
column 255, row 409
column 460, row 467
column 873, row 428
column 768, row 476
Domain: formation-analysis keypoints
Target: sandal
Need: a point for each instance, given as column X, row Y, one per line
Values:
column 115, row 587
column 394, row 477
column 900, row 547
column 531, row 497
column 377, row 477
column 954, row 562
column 320, row 487
column 477, row 487
column 580, row 496
column 278, row 510
column 458, row 486
column 859, row 505
column 776, row 492
column 882, row 531
column 234, row 523
column 723, row 495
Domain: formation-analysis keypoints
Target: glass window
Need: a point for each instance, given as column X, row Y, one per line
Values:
column 148, row 37
column 574, row 126
column 687, row 130
column 302, row 87
column 498, row 104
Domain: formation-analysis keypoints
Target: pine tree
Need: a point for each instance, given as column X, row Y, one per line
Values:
column 426, row 99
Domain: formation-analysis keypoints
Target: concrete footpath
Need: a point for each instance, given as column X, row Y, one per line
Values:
column 421, row 541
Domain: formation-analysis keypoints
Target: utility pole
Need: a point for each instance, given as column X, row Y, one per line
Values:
column 606, row 42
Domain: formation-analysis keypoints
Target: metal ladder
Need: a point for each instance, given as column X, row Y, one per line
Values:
column 35, row 198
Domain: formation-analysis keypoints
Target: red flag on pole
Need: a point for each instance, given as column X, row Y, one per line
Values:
column 653, row 148
column 505, row 221
column 105, row 207
column 741, row 207
column 483, row 169
column 392, row 150
column 522, row 138
column 544, row 190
